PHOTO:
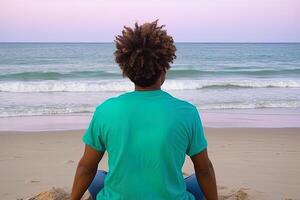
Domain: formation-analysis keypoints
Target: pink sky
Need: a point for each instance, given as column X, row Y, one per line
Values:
column 186, row 21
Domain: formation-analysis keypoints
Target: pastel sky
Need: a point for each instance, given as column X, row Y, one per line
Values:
column 185, row 20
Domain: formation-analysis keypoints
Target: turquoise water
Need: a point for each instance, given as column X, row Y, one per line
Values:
column 67, row 78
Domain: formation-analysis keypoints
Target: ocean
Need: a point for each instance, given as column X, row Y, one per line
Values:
column 72, row 78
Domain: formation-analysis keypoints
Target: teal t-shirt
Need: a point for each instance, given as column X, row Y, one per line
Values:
column 146, row 135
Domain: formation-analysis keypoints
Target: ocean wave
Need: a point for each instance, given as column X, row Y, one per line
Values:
column 173, row 73
column 49, row 75
column 16, row 111
column 126, row 85
column 44, row 110
column 65, row 86
column 257, row 105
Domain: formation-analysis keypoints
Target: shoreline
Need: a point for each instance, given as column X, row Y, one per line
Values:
column 274, row 130
column 262, row 163
column 235, row 118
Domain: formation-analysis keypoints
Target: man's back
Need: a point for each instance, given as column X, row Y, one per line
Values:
column 147, row 135
column 147, row 132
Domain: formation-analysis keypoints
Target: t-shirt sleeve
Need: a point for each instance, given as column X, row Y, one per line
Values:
column 92, row 136
column 197, row 139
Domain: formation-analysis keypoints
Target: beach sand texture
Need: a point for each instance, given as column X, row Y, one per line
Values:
column 250, row 163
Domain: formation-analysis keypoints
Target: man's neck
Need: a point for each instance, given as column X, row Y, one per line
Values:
column 147, row 88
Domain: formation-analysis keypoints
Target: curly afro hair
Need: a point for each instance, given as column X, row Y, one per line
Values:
column 144, row 52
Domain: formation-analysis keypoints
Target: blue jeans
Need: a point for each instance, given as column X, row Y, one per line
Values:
column 190, row 181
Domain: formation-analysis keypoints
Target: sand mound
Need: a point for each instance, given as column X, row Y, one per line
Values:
column 55, row 194
column 240, row 194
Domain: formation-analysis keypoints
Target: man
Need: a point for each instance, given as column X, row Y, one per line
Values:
column 146, row 132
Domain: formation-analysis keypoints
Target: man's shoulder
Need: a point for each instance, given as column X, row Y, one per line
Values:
column 184, row 103
column 182, row 107
column 106, row 104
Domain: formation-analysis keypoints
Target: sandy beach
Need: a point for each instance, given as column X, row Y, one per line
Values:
column 250, row 163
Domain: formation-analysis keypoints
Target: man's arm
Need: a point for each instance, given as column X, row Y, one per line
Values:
column 205, row 175
column 86, row 171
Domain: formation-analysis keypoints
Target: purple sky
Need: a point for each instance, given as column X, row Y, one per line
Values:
column 186, row 21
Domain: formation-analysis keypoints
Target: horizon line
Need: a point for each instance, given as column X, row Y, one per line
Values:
column 196, row 42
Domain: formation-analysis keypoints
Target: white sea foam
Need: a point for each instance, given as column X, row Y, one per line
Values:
column 69, row 109
column 44, row 110
column 126, row 85
column 266, row 104
column 65, row 86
